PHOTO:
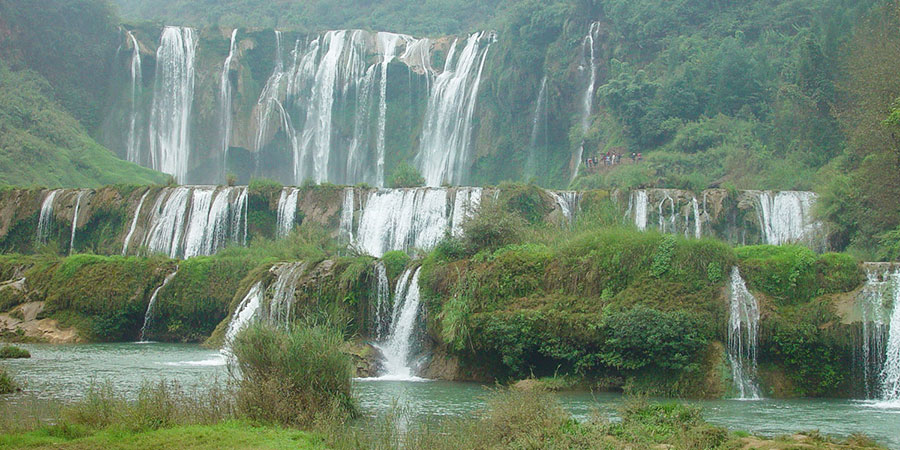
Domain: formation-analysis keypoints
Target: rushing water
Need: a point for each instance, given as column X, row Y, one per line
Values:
column 46, row 217
column 173, row 98
column 743, row 327
column 65, row 371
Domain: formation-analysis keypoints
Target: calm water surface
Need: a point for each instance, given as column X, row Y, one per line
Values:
column 66, row 371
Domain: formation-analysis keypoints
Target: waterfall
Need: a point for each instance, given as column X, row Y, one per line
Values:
column 225, row 103
column 200, row 220
column 743, row 327
column 382, row 302
column 465, row 205
column 875, row 320
column 447, row 130
column 403, row 219
column 134, row 221
column 397, row 349
column 279, row 308
column 269, row 100
column 287, row 210
column 75, row 220
column 698, row 225
column 539, row 113
column 639, row 204
column 589, row 61
column 567, row 201
column 46, row 217
column 666, row 225
column 388, row 43
column 890, row 374
column 244, row 313
column 132, row 146
column 347, row 209
column 149, row 314
column 173, row 97
column 786, row 217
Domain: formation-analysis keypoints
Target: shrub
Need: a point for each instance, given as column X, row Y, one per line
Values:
column 7, row 384
column 9, row 352
column 406, row 176
column 395, row 262
column 493, row 228
column 794, row 274
column 642, row 337
column 294, row 376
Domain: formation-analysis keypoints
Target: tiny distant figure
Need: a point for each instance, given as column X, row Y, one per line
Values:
column 633, row 157
column 640, row 157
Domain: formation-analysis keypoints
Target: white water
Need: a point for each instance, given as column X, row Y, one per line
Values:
column 381, row 325
column 347, row 210
column 75, row 220
column 567, row 201
column 243, row 314
column 173, row 98
column 465, row 205
column 132, row 145
column 875, row 319
column 198, row 220
column 666, row 225
column 590, row 63
column 388, row 44
column 281, row 305
column 538, row 118
column 786, row 217
column 398, row 347
column 148, row 315
column 447, row 131
column 287, row 210
column 134, row 221
column 639, row 204
column 890, row 374
column 404, row 219
column 46, row 217
column 698, row 225
column 743, row 328
column 225, row 103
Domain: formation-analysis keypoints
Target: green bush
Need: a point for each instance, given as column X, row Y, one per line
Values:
column 10, row 352
column 294, row 376
column 406, row 176
column 395, row 262
column 493, row 228
column 793, row 274
column 641, row 338
column 7, row 385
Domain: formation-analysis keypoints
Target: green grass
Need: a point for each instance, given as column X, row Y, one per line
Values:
column 227, row 435
column 9, row 351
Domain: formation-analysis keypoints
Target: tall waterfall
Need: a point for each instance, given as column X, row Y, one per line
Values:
column 148, row 315
column 46, row 217
column 381, row 325
column 287, row 210
column 347, row 212
column 398, row 348
column 875, row 318
column 638, row 208
column 281, row 305
column 173, row 98
column 698, row 224
column 388, row 44
column 589, row 62
column 244, row 313
column 786, row 217
column 447, row 131
column 890, row 374
column 538, row 119
column 75, row 220
column 666, row 221
column 200, row 220
column 133, row 140
column 743, row 327
column 403, row 219
column 225, row 103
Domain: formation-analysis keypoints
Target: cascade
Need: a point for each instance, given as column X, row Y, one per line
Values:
column 447, row 130
column 134, row 221
column 567, row 202
column 698, row 225
column 388, row 43
column 46, row 217
column 279, row 308
column 590, row 61
column 743, row 327
column 269, row 100
column 200, row 220
column 786, row 217
column 666, row 225
column 132, row 146
column 404, row 219
column 382, row 302
column 465, row 205
column 244, row 313
column 225, row 103
column 173, row 97
column 539, row 113
column 75, row 220
column 398, row 347
column 874, row 317
column 347, row 210
column 287, row 210
column 890, row 374
column 639, row 204
column 149, row 314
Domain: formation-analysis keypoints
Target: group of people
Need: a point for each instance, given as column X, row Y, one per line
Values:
column 611, row 159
